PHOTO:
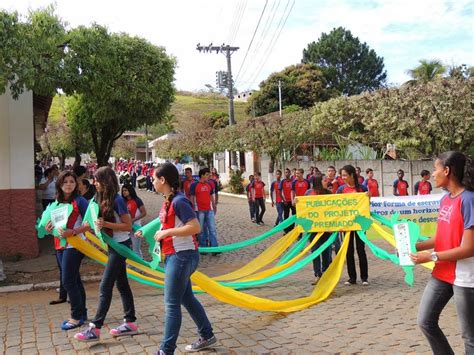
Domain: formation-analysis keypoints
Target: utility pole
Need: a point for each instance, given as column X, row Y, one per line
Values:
column 225, row 81
column 279, row 94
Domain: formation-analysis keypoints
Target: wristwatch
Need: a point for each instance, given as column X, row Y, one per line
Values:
column 434, row 256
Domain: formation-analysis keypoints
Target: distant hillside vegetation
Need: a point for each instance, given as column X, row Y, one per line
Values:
column 187, row 103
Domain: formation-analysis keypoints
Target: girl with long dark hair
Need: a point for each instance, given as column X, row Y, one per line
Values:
column 115, row 220
column 351, row 185
column 180, row 247
column 70, row 259
column 453, row 253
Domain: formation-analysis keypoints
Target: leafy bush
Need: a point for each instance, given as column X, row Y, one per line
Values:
column 235, row 182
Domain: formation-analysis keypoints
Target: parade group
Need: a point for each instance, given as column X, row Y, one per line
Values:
column 188, row 222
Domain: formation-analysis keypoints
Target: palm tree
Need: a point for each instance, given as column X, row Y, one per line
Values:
column 428, row 70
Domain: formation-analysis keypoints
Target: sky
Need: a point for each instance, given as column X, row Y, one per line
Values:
column 400, row 31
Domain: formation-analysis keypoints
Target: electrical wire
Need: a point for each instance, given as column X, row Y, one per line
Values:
column 263, row 35
column 253, row 36
column 272, row 45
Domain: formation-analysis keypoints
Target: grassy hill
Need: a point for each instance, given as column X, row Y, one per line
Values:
column 187, row 103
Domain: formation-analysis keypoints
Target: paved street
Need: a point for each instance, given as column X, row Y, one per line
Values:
column 380, row 318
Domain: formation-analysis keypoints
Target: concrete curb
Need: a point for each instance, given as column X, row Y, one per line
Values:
column 42, row 286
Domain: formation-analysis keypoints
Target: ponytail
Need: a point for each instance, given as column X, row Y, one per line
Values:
column 460, row 167
column 169, row 172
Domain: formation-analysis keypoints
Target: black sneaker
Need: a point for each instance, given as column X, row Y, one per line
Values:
column 201, row 344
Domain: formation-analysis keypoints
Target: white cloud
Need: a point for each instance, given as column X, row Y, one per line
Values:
column 401, row 31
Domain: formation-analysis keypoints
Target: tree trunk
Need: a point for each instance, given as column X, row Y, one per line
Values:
column 77, row 159
column 62, row 160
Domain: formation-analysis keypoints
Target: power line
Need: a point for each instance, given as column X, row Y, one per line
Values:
column 238, row 7
column 239, row 22
column 263, row 36
column 274, row 42
column 251, row 41
column 270, row 42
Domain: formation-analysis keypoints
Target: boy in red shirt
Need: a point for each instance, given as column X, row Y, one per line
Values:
column 299, row 186
column 202, row 197
column 187, row 182
column 423, row 187
column 275, row 194
column 371, row 184
column 285, row 189
column 400, row 186
column 330, row 178
column 258, row 197
column 249, row 199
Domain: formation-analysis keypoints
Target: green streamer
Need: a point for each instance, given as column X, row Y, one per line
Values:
column 288, row 271
column 292, row 252
column 380, row 253
column 245, row 243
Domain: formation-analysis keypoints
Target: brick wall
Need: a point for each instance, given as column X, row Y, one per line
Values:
column 17, row 224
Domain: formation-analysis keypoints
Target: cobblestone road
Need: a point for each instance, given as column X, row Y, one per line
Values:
column 380, row 318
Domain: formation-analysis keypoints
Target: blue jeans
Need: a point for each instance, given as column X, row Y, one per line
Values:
column 279, row 207
column 325, row 255
column 178, row 291
column 208, row 228
column 71, row 279
column 59, row 260
column 252, row 210
column 435, row 297
column 115, row 273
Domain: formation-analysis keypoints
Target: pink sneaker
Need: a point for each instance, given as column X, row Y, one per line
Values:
column 127, row 328
column 91, row 333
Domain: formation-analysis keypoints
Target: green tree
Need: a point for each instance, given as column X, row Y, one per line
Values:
column 422, row 120
column 119, row 82
column 349, row 66
column 428, row 70
column 32, row 52
column 301, row 84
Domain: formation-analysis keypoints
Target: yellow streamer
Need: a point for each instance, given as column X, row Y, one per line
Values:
column 321, row 291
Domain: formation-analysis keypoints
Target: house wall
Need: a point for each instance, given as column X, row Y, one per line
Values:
column 17, row 189
column 385, row 171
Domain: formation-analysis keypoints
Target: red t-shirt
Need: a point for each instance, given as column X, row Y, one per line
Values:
column 423, row 187
column 300, row 187
column 455, row 216
column 346, row 189
column 285, row 187
column 179, row 213
column 187, row 187
column 401, row 187
column 203, row 192
column 276, row 189
column 373, row 186
column 258, row 188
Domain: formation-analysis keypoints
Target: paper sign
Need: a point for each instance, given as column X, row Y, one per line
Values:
column 157, row 250
column 59, row 217
column 331, row 213
column 402, row 237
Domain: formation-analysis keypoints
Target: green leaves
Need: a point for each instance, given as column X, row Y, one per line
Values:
column 301, row 84
column 348, row 65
